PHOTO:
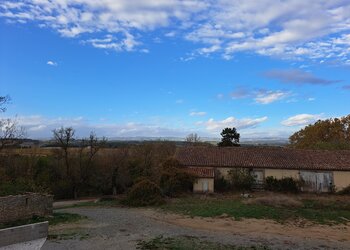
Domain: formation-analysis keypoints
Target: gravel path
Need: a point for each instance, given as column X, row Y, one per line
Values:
column 122, row 228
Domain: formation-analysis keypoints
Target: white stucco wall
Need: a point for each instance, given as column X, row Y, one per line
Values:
column 198, row 185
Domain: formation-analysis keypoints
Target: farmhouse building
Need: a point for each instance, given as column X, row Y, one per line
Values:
column 319, row 170
column 205, row 179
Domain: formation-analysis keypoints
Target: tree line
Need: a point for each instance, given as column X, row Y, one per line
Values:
column 88, row 168
column 330, row 134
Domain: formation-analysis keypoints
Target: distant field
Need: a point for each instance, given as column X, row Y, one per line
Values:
column 28, row 151
column 46, row 151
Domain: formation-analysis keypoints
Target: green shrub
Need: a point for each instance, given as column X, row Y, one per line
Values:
column 20, row 186
column 11, row 188
column 286, row 184
column 241, row 179
column 144, row 193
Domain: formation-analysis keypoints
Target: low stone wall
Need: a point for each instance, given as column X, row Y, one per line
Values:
column 18, row 207
column 31, row 236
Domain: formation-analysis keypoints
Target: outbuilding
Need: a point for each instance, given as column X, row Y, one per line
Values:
column 204, row 182
column 319, row 170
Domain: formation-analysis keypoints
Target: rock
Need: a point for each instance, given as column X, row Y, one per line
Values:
column 224, row 215
column 246, row 195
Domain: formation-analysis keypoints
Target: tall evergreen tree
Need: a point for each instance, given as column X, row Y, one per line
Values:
column 230, row 138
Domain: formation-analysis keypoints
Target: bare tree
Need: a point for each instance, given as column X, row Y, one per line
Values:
column 193, row 138
column 92, row 145
column 10, row 133
column 64, row 138
column 119, row 169
column 3, row 100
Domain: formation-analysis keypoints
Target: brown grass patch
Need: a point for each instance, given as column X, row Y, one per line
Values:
column 275, row 201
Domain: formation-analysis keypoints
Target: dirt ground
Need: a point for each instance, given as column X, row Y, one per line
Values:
column 123, row 228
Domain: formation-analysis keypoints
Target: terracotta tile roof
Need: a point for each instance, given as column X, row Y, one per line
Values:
column 264, row 157
column 202, row 172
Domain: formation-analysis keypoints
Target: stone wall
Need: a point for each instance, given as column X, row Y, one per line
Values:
column 18, row 207
column 31, row 236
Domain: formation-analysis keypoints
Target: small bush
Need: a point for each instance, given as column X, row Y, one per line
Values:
column 176, row 182
column 144, row 193
column 286, row 184
column 175, row 179
column 221, row 184
column 345, row 191
column 241, row 179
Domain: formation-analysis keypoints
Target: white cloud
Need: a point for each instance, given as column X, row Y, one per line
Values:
column 317, row 30
column 278, row 28
column 38, row 126
column 123, row 19
column 179, row 101
column 198, row 113
column 209, row 50
column 214, row 126
column 301, row 120
column 267, row 97
column 170, row 34
column 261, row 96
column 127, row 43
column 51, row 63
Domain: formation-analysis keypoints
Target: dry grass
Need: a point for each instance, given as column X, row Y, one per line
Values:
column 274, row 200
column 278, row 207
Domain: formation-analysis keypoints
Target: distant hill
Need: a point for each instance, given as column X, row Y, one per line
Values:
column 124, row 141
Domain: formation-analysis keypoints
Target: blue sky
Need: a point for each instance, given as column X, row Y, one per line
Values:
column 167, row 68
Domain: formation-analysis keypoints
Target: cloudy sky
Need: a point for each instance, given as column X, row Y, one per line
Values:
column 172, row 67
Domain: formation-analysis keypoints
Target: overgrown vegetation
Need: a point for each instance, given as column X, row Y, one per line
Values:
column 190, row 243
column 75, row 166
column 19, row 186
column 286, row 184
column 332, row 213
column 221, row 184
column 144, row 193
column 97, row 171
column 241, row 179
column 175, row 179
column 55, row 219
